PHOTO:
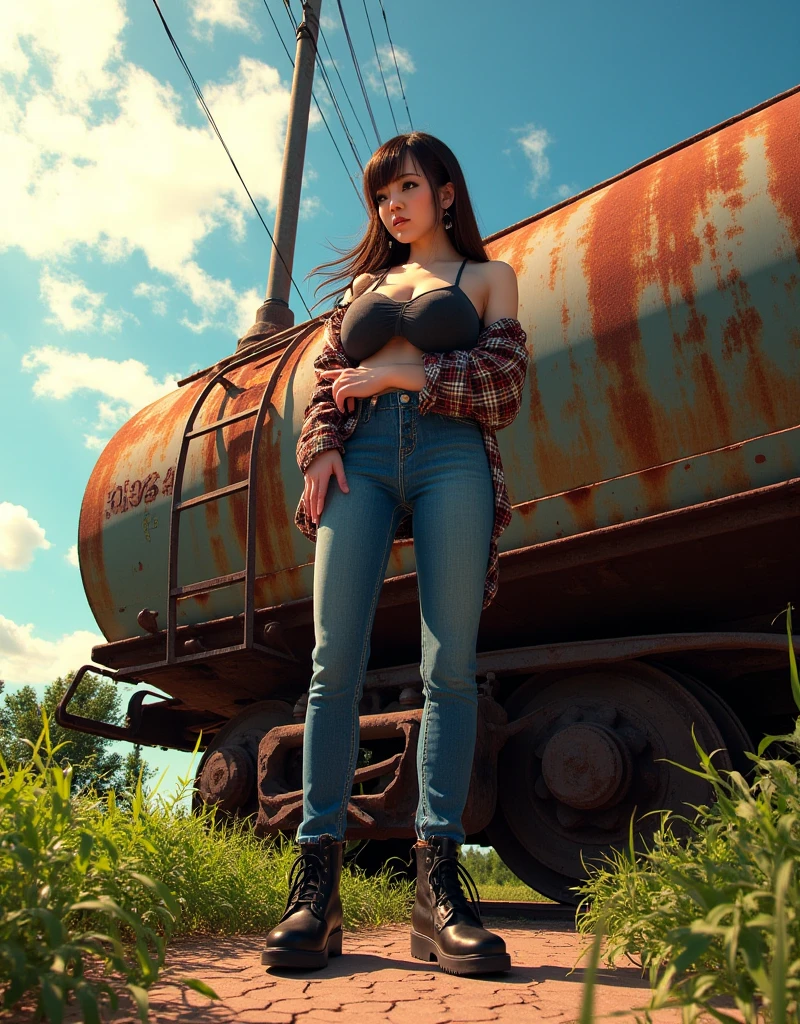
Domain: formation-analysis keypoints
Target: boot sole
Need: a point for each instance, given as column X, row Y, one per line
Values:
column 423, row 948
column 303, row 959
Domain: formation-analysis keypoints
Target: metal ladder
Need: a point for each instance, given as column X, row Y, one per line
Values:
column 249, row 484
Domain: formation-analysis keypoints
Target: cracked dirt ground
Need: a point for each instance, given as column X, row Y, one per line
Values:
column 377, row 981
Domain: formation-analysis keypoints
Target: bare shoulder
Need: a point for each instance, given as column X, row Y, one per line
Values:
column 360, row 282
column 502, row 295
column 497, row 271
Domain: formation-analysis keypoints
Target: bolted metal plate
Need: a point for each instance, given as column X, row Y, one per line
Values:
column 584, row 718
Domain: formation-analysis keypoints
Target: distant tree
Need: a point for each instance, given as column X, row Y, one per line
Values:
column 134, row 765
column 92, row 761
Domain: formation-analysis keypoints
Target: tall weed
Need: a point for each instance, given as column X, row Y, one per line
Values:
column 71, row 899
column 92, row 888
column 718, row 914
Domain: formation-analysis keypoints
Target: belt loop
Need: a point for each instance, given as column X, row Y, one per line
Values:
column 367, row 407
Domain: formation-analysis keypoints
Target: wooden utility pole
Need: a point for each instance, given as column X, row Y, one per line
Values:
column 274, row 314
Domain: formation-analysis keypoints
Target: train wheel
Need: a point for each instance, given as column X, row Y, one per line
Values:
column 594, row 756
column 737, row 738
column 227, row 772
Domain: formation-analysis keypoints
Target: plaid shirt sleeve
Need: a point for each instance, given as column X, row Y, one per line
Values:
column 483, row 383
column 323, row 423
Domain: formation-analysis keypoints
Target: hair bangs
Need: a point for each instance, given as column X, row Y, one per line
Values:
column 386, row 166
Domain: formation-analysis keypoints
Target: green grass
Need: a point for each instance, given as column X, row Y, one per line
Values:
column 509, row 891
column 93, row 888
column 712, row 909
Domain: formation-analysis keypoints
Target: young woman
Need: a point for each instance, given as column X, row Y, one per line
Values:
column 423, row 360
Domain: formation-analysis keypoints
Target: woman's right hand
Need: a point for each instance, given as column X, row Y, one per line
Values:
column 317, row 477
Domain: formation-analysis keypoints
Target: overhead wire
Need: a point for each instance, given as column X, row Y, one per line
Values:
column 316, row 104
column 344, row 87
column 358, row 70
column 380, row 67
column 213, row 123
column 328, row 86
column 397, row 69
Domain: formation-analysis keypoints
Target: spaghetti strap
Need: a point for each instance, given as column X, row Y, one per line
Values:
column 460, row 271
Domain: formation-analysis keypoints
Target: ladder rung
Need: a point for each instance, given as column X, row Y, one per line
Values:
column 201, row 499
column 208, row 585
column 222, row 423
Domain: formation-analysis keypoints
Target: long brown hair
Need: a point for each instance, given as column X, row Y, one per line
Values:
column 378, row 249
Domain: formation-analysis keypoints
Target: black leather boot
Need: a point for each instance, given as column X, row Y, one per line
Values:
column 311, row 927
column 444, row 926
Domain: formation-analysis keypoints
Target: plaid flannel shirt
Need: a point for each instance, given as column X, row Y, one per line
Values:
column 483, row 383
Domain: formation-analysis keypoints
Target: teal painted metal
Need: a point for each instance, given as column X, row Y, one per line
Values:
column 663, row 316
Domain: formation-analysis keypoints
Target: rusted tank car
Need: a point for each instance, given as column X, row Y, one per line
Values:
column 655, row 475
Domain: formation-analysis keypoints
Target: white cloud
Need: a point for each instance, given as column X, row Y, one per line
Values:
column 95, row 443
column 72, row 556
column 100, row 155
column 327, row 23
column 534, row 141
column 246, row 308
column 74, row 40
column 25, row 658
column 74, row 306
column 309, row 207
column 206, row 15
column 565, row 191
column 127, row 383
column 20, row 536
column 155, row 293
column 62, row 373
column 405, row 63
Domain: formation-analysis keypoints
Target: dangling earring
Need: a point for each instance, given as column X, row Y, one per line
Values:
column 447, row 220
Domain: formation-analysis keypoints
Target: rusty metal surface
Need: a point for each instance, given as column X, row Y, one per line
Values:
column 664, row 322
column 226, row 776
column 575, row 654
column 596, row 749
column 385, row 792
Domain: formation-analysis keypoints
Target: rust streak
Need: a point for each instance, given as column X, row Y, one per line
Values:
column 781, row 131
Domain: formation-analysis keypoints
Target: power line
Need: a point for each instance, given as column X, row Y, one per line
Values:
column 328, row 86
column 319, row 109
column 213, row 124
column 397, row 69
column 327, row 83
column 358, row 71
column 380, row 67
column 278, row 33
column 344, row 87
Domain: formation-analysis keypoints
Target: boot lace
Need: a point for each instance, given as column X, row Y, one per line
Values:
column 305, row 884
column 445, row 878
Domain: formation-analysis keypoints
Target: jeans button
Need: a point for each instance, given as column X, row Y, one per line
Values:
column 404, row 398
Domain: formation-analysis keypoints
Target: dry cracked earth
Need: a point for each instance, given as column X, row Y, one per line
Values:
column 376, row 981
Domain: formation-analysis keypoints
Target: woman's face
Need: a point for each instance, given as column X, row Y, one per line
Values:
column 407, row 206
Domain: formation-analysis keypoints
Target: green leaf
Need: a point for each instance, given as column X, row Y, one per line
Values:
column 52, row 998
column 88, row 1000
column 84, row 849
column 780, row 952
column 694, row 946
column 141, row 999
column 587, row 1001
column 793, row 676
column 767, row 741
column 199, row 986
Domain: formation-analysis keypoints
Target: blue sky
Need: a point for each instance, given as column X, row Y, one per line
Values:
column 129, row 254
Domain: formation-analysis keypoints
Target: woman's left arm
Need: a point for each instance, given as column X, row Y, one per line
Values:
column 483, row 383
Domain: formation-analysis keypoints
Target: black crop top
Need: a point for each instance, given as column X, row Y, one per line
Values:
column 439, row 320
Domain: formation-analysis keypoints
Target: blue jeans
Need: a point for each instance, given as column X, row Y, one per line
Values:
column 435, row 467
